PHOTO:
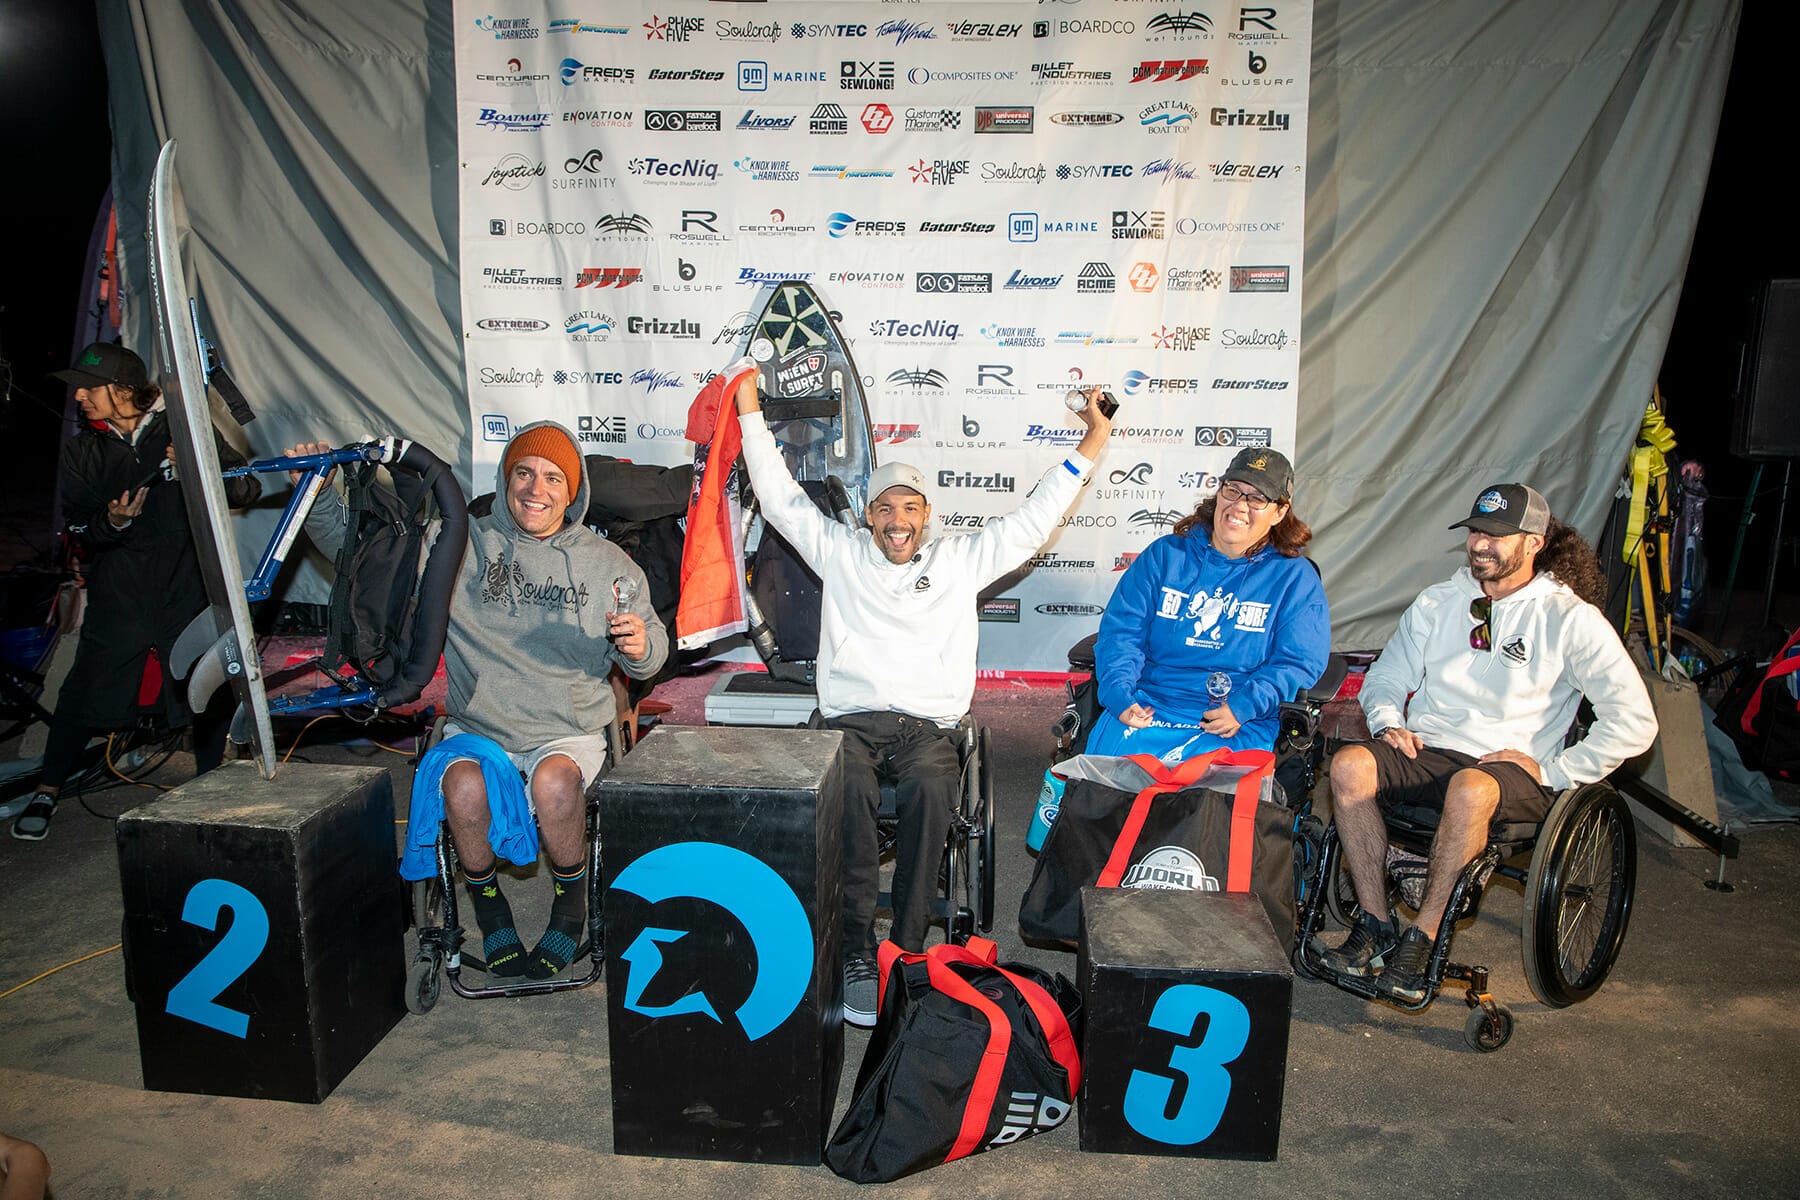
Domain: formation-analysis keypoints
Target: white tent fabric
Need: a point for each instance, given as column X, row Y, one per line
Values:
column 1500, row 203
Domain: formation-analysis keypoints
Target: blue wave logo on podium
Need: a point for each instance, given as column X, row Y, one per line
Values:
column 748, row 889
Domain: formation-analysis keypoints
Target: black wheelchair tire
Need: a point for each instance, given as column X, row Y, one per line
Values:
column 1340, row 896
column 1578, row 894
column 1487, row 1034
column 982, row 856
column 423, row 985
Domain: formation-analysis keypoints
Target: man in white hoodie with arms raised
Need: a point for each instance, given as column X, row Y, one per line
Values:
column 896, row 666
column 1468, row 708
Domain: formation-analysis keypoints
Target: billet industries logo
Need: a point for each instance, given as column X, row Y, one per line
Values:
column 1084, row 171
column 1171, row 70
column 855, row 75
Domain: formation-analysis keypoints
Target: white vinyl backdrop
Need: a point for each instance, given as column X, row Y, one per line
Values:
column 1001, row 200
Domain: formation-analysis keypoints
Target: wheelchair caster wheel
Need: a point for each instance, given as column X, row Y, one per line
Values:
column 1487, row 1032
column 424, row 984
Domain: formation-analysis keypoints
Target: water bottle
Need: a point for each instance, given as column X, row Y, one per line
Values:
column 1048, row 805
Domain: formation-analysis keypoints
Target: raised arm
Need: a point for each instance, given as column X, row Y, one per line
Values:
column 784, row 505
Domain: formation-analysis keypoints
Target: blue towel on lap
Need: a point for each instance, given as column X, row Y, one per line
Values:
column 511, row 830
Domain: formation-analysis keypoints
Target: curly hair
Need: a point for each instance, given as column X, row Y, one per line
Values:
column 1289, row 537
column 1568, row 557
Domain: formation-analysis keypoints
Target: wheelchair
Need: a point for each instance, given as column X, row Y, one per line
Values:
column 1579, row 882
column 434, row 914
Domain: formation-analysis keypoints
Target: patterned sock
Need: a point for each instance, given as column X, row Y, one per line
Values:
column 500, row 943
column 568, row 910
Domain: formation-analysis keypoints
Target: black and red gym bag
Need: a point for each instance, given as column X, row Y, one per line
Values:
column 966, row 1055
column 1759, row 713
column 1210, row 823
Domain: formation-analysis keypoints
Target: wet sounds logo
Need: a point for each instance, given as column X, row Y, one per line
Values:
column 1170, row 869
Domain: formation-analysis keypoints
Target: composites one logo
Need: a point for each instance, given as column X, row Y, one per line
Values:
column 573, row 71
column 508, row 29
column 514, row 172
column 856, row 75
column 493, row 118
column 517, row 277
column 1168, row 116
column 674, row 170
column 757, row 899
column 672, row 29
column 1170, row 868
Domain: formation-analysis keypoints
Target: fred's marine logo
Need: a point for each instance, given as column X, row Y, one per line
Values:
column 1172, row 869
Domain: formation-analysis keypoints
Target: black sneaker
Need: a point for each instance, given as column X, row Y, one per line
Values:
column 862, row 995
column 1404, row 977
column 1364, row 949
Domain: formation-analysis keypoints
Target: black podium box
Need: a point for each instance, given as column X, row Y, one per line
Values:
column 1187, row 997
column 724, row 978
column 263, row 929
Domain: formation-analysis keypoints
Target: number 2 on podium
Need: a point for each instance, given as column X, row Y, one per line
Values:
column 194, row 997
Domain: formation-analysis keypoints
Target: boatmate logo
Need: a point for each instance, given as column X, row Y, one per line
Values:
column 1170, row 869
column 493, row 118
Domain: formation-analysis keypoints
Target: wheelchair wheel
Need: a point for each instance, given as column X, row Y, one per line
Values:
column 1340, row 895
column 423, row 985
column 1578, row 894
column 1488, row 1032
column 982, row 847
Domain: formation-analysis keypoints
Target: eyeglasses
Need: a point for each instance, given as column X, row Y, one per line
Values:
column 1481, row 608
column 1231, row 494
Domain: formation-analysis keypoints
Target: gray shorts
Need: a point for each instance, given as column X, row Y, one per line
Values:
column 586, row 750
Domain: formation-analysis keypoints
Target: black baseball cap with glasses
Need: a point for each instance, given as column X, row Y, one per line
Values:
column 1266, row 470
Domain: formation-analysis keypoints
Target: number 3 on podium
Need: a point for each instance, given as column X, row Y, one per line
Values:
column 1147, row 1093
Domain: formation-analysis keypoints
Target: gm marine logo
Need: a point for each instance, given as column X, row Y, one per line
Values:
column 756, row 897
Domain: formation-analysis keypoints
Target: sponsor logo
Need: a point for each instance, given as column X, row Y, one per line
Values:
column 1061, row 27
column 655, row 381
column 778, row 225
column 1013, row 336
column 801, row 30
column 1242, row 171
column 906, row 31
column 1178, row 25
column 953, row 281
column 605, row 277
column 981, row 31
column 727, row 30
column 752, row 277
column 971, row 428
column 869, row 279
column 1164, row 169
column 514, row 172
column 622, row 225
column 1191, row 279
column 1095, row 278
column 1257, row 25
column 1052, row 435
column 1180, row 337
column 1168, row 116
column 877, row 118
column 1249, row 385
column 1080, row 171
column 512, row 377
column 1067, row 72
column 1169, row 868
column 664, row 170
column 956, row 227
column 610, row 118
column 828, row 119
column 692, row 75
column 658, row 433
column 1169, row 70
column 1168, row 435
column 932, row 120
column 894, row 329
column 516, row 277
column 571, row 25
column 940, row 172
column 682, row 120
column 1087, row 120
column 920, row 76
column 572, row 71
column 736, row 329
column 1269, row 121
column 1013, row 172
column 973, row 482
column 797, row 76
column 1088, row 521
column 994, row 379
column 1255, row 339
column 508, row 29
column 608, row 431
column 1074, row 610
column 918, row 378
column 1231, row 435
column 767, row 170
column 515, row 76
column 1021, row 227
column 511, row 325
column 495, row 428
column 546, row 228
column 840, row 171
column 1020, row 281
column 672, row 29
column 587, row 378
column 1056, row 562
column 588, row 326
column 752, row 75
column 755, row 122
column 1259, row 279
column 1014, row 119
column 1124, row 559
column 1142, row 277
column 893, row 435
column 1087, row 337
column 1137, row 381
column 493, row 118
column 1003, row 609
column 1154, row 518
column 855, row 75
column 682, row 330
column 842, row 224
column 584, row 171
column 1132, row 226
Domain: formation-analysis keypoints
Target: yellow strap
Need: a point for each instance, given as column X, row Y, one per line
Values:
column 1648, row 461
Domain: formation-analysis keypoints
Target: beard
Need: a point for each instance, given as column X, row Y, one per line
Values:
column 1488, row 567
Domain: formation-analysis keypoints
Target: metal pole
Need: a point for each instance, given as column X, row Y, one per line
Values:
column 1787, row 473
column 1737, row 553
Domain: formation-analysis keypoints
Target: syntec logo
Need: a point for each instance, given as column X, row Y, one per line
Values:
column 1081, row 171
column 857, row 76
column 811, row 30
column 1269, row 121
column 1173, row 70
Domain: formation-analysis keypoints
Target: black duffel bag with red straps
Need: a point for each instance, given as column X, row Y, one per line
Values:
column 966, row 1055
column 1211, row 823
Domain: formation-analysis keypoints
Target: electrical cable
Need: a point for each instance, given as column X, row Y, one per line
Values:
column 19, row 987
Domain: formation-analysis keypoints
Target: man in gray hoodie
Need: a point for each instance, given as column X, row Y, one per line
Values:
column 533, row 637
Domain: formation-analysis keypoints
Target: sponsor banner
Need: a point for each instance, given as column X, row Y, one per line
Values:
column 997, row 206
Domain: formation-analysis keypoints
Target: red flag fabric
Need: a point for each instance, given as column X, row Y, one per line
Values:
column 712, row 559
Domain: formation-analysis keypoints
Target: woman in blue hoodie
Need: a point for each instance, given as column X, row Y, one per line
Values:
column 1214, row 625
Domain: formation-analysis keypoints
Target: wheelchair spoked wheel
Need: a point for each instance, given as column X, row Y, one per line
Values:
column 1340, row 896
column 1578, row 896
column 982, row 848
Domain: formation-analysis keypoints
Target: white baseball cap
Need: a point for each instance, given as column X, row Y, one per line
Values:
column 897, row 474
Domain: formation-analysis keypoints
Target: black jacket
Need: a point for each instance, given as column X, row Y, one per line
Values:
column 143, row 582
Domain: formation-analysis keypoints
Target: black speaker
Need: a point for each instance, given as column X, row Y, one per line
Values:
column 1766, row 417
